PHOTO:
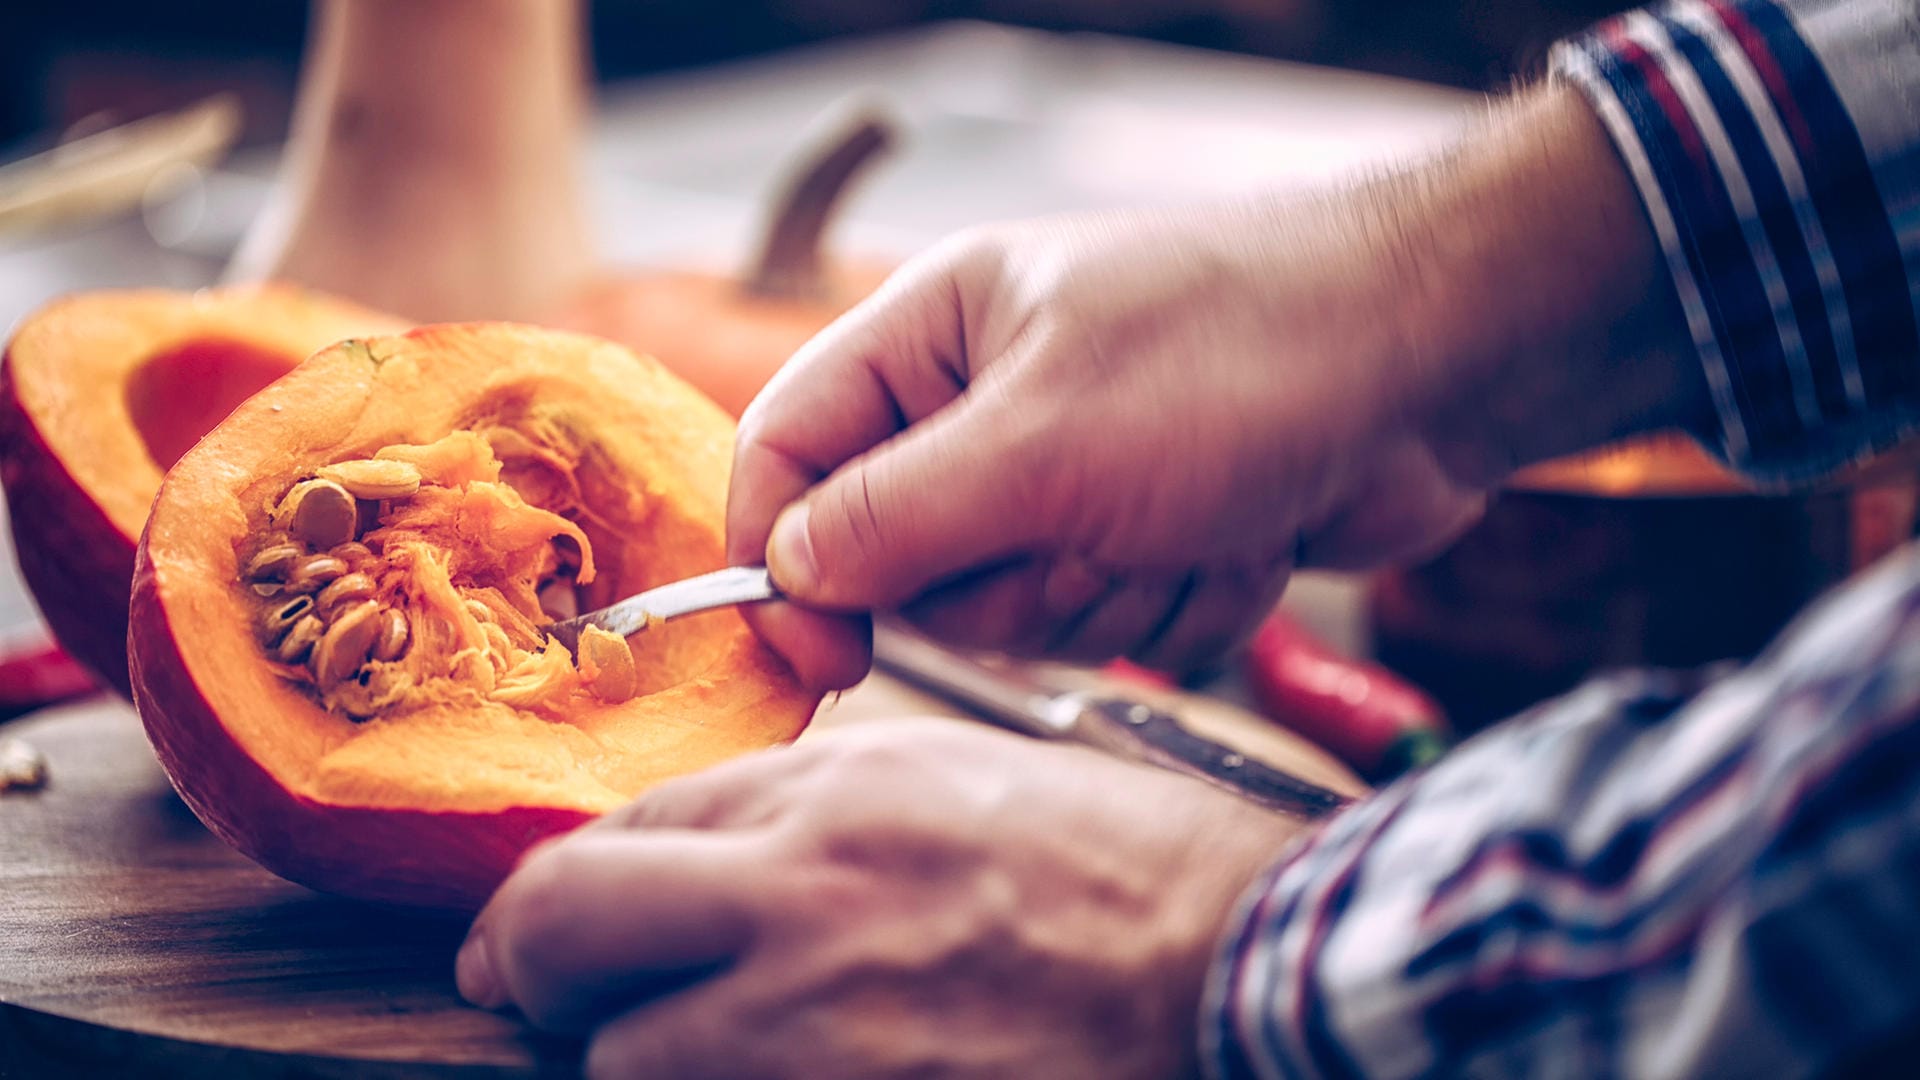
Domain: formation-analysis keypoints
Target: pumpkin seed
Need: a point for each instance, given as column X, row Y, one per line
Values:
column 480, row 611
column 272, row 563
column 344, row 648
column 301, row 638
column 280, row 619
column 313, row 572
column 374, row 479
column 320, row 512
column 607, row 663
column 22, row 766
column 354, row 553
column 394, row 633
column 343, row 590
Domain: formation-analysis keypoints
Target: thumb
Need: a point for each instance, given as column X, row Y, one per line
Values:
column 945, row 496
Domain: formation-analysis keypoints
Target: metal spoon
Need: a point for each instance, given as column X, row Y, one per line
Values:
column 690, row 596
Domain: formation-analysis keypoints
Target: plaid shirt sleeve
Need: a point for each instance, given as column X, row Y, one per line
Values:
column 1640, row 879
column 1776, row 146
column 1635, row 880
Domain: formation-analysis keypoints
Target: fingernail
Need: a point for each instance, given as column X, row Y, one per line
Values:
column 473, row 974
column 790, row 552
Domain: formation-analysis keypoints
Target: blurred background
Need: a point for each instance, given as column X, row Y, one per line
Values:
column 441, row 164
column 63, row 63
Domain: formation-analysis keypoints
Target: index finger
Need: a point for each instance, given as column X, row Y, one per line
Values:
column 894, row 359
column 592, row 923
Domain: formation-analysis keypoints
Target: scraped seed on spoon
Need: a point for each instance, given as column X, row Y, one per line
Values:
column 301, row 639
column 342, row 591
column 281, row 619
column 320, row 512
column 392, row 642
column 346, row 644
column 313, row 573
column 607, row 662
column 272, row 563
column 373, row 479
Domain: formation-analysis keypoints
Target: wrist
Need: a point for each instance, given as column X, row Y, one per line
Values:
column 1224, row 879
column 1553, row 324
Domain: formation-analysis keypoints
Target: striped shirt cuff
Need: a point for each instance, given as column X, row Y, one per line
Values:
column 1783, row 189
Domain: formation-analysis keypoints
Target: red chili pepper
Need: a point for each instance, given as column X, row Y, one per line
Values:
column 40, row 674
column 1359, row 712
column 1128, row 671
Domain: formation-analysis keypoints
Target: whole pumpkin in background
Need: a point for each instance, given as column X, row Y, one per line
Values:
column 99, row 394
column 482, row 468
column 729, row 335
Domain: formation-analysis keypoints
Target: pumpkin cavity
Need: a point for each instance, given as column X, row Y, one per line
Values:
column 223, row 372
column 423, row 575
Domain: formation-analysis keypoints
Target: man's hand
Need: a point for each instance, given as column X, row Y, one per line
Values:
column 915, row 900
column 1119, row 434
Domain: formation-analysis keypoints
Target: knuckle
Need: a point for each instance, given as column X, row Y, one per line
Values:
column 858, row 761
column 749, row 436
column 537, row 921
column 968, row 250
column 680, row 802
column 618, row 1053
column 849, row 529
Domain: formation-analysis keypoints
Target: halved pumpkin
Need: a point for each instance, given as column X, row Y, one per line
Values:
column 99, row 394
column 499, row 475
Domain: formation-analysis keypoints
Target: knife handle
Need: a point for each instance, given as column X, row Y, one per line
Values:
column 1143, row 733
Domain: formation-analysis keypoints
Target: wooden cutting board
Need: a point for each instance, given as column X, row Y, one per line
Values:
column 134, row 943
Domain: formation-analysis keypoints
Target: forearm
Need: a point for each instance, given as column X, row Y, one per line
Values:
column 1552, row 325
column 1707, row 221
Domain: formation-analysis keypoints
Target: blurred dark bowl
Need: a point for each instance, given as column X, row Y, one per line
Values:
column 1645, row 554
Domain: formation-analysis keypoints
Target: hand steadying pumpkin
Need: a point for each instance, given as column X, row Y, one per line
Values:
column 1118, row 434
column 967, row 914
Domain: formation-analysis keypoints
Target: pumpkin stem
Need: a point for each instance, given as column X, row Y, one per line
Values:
column 789, row 262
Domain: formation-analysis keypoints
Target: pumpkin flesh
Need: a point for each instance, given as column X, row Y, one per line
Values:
column 100, row 393
column 524, row 435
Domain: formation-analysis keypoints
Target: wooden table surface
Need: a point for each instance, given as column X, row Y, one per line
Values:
column 132, row 942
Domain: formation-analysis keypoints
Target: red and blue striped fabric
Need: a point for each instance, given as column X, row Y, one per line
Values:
column 1663, row 874
column 1787, row 210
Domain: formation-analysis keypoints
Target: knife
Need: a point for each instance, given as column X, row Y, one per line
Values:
column 1010, row 699
column 1117, row 725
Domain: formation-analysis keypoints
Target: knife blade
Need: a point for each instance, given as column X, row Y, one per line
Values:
column 1117, row 725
